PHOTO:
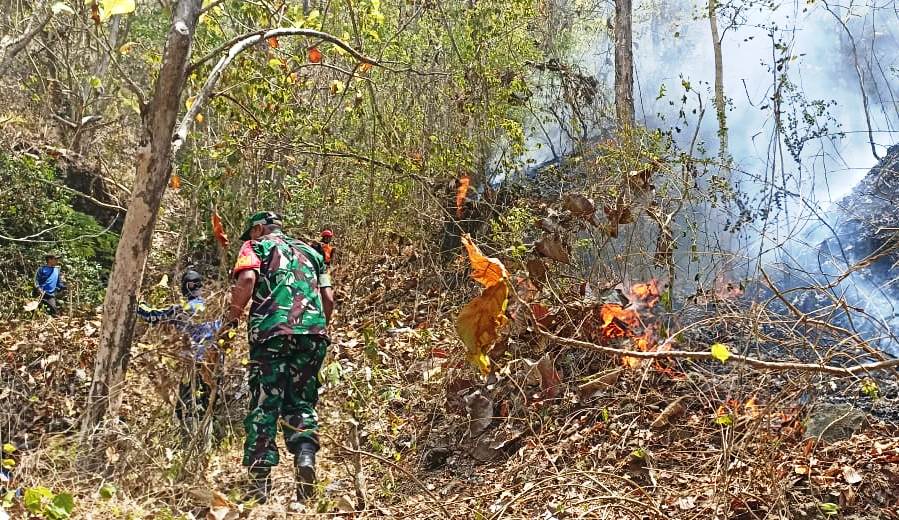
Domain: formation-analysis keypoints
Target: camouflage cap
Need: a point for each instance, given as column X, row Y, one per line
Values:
column 265, row 218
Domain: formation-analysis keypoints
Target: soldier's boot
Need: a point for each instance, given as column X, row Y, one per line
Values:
column 260, row 484
column 304, row 471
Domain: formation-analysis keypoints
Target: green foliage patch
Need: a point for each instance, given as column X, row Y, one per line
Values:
column 37, row 217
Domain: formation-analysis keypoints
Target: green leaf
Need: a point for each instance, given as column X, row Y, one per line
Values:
column 61, row 507
column 870, row 389
column 274, row 63
column 829, row 508
column 337, row 86
column 8, row 498
column 312, row 18
column 96, row 83
column 724, row 420
column 720, row 352
column 107, row 491
column 34, row 498
column 61, row 7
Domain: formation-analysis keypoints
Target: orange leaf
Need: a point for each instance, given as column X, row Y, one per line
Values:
column 461, row 192
column 551, row 247
column 273, row 42
column 219, row 231
column 95, row 13
column 365, row 67
column 550, row 382
column 315, row 55
column 479, row 321
column 486, row 271
column 175, row 182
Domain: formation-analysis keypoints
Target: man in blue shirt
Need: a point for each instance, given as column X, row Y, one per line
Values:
column 187, row 318
column 48, row 283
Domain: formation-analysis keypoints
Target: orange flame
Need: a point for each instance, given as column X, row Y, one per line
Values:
column 619, row 322
column 646, row 293
column 751, row 408
column 461, row 193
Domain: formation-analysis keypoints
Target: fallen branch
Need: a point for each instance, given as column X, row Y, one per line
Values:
column 736, row 358
column 849, row 371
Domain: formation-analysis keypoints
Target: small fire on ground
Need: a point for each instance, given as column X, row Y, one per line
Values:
column 633, row 321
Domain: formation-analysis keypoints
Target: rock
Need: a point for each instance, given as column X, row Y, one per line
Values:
column 480, row 413
column 436, row 458
column 831, row 423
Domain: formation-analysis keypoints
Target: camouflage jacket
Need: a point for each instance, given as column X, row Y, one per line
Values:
column 287, row 296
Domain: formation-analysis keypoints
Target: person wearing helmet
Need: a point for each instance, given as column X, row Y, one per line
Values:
column 290, row 289
column 187, row 319
column 48, row 283
column 324, row 247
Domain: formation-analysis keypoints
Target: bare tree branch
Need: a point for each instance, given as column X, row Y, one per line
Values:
column 858, row 75
column 266, row 33
column 241, row 45
column 39, row 19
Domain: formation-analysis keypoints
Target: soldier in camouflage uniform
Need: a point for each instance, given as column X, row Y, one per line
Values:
column 292, row 301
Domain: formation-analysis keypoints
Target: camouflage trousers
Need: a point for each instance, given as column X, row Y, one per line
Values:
column 283, row 380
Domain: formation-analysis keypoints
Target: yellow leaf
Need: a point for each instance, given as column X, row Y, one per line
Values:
column 8, row 448
column 337, row 86
column 486, row 271
column 720, row 352
column 110, row 8
column 479, row 321
column 126, row 48
column 8, row 463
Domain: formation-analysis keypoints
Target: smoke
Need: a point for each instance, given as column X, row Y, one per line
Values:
column 673, row 47
column 798, row 52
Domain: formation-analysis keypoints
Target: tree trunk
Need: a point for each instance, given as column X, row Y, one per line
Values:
column 624, row 65
column 720, row 105
column 154, row 166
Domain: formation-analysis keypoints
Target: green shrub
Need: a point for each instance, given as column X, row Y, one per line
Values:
column 36, row 216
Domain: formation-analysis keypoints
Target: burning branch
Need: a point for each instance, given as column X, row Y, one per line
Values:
column 849, row 371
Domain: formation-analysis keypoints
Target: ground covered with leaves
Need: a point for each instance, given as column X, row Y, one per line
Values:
column 412, row 430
